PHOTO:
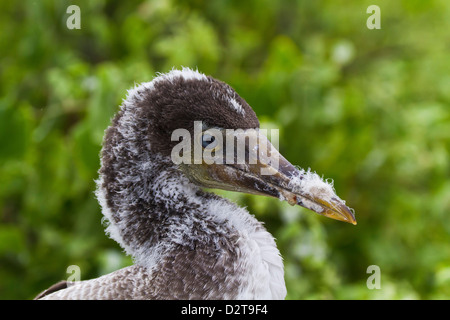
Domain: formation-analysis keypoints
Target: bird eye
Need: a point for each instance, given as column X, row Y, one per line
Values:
column 208, row 141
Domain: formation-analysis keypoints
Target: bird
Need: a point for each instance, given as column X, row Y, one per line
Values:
column 187, row 242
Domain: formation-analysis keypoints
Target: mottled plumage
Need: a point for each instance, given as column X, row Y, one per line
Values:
column 187, row 243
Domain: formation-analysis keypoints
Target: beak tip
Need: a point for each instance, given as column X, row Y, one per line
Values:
column 338, row 211
column 350, row 216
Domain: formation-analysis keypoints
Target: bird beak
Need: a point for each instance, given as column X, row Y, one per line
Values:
column 267, row 172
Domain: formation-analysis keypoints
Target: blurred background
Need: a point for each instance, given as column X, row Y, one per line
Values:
column 369, row 109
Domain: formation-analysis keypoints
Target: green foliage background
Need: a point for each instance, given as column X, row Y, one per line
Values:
column 369, row 109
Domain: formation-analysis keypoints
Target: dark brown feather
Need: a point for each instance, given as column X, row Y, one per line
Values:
column 56, row 287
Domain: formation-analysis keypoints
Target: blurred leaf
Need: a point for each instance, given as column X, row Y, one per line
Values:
column 15, row 126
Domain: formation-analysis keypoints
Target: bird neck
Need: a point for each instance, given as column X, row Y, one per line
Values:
column 154, row 212
column 153, row 208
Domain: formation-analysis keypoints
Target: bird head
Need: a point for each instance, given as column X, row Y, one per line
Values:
column 213, row 137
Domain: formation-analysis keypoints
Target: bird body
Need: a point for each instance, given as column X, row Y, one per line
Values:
column 188, row 243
